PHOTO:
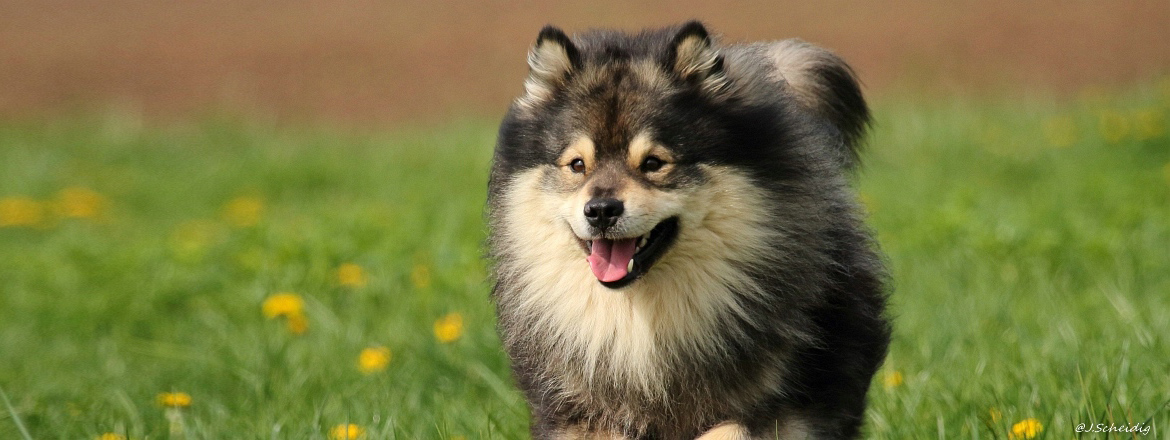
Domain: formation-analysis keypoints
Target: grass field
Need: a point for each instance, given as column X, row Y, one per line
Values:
column 1029, row 243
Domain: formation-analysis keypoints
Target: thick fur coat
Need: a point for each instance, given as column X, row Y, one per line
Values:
column 676, row 249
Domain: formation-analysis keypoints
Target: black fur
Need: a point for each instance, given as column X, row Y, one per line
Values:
column 557, row 36
column 824, row 313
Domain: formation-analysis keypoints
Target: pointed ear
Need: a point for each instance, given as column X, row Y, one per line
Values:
column 693, row 58
column 550, row 62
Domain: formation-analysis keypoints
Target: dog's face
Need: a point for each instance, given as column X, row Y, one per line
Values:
column 623, row 147
column 636, row 149
column 689, row 177
column 624, row 203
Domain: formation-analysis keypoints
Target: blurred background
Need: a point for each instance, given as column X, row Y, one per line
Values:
column 264, row 219
column 382, row 62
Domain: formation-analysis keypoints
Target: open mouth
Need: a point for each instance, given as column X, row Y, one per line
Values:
column 618, row 262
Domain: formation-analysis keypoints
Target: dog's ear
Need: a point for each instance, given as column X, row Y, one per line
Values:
column 550, row 62
column 693, row 58
column 822, row 83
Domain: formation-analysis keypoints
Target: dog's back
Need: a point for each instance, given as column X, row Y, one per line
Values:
column 676, row 247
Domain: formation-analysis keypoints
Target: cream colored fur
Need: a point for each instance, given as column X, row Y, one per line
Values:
column 796, row 64
column 547, row 63
column 726, row 431
column 643, row 146
column 695, row 56
column 672, row 309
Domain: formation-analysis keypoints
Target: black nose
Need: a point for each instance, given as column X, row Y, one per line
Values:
column 603, row 213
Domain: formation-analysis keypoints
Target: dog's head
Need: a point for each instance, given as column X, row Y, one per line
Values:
column 631, row 149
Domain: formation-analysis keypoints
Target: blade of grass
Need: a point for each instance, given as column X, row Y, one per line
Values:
column 15, row 416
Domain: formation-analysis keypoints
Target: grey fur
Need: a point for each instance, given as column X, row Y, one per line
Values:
column 803, row 357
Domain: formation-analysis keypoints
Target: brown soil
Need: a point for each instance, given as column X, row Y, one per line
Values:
column 370, row 61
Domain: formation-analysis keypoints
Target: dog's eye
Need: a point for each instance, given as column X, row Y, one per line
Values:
column 652, row 164
column 577, row 166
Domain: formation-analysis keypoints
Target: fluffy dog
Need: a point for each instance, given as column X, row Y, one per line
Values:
column 677, row 251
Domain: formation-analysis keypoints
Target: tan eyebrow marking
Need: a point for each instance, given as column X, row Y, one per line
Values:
column 642, row 147
column 582, row 148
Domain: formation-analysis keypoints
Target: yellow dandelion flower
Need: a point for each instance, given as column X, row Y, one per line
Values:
column 297, row 324
column 243, row 212
column 1113, row 126
column 176, row 399
column 996, row 416
column 1149, row 124
column 347, row 432
column 449, row 328
column 110, row 436
column 283, row 304
column 351, row 275
column 373, row 359
column 21, row 211
column 420, row 276
column 892, row 379
column 78, row 202
column 290, row 306
column 1061, row 132
column 1027, row 428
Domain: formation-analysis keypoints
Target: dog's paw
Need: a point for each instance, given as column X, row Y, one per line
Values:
column 726, row 431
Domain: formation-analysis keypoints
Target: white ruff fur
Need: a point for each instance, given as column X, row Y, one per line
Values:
column 673, row 309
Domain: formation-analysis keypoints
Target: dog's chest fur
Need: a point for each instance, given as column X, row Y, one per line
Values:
column 763, row 314
column 668, row 356
column 669, row 389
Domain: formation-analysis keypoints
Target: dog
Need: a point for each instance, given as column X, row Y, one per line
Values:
column 676, row 250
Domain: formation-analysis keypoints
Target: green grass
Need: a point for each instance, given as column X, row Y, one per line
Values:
column 1029, row 278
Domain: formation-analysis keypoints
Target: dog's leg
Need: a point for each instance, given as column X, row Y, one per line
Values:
column 726, row 431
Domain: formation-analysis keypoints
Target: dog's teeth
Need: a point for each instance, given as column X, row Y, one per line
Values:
column 642, row 242
column 589, row 244
column 630, row 266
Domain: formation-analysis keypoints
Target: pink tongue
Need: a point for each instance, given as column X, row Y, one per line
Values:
column 609, row 258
